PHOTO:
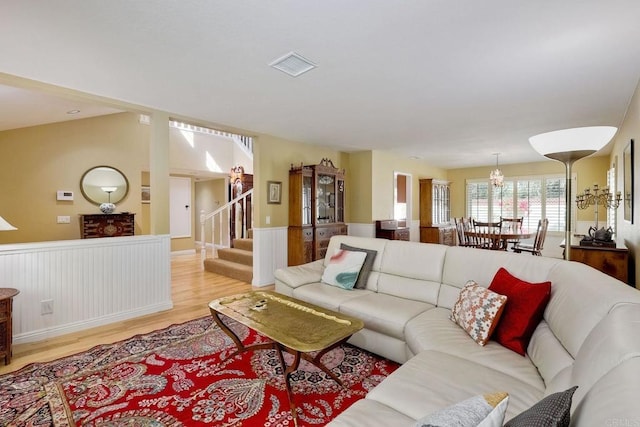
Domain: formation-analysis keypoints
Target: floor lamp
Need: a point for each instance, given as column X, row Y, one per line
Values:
column 5, row 226
column 568, row 146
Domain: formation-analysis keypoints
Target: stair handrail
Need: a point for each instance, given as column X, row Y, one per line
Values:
column 204, row 217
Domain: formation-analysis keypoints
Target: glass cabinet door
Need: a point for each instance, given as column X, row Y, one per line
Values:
column 306, row 200
column 325, row 199
column 340, row 201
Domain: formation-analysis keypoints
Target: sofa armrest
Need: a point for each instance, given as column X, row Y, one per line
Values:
column 299, row 275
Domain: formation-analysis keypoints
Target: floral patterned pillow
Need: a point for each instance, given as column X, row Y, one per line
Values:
column 478, row 311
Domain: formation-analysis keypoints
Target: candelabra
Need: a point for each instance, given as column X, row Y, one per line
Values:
column 598, row 197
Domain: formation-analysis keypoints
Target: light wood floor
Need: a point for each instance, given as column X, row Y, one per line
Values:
column 192, row 289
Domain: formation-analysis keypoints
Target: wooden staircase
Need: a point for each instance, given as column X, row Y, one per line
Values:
column 235, row 262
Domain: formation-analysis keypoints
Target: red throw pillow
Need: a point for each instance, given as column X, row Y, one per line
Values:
column 522, row 313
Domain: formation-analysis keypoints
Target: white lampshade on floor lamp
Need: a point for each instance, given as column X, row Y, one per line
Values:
column 567, row 146
column 5, row 226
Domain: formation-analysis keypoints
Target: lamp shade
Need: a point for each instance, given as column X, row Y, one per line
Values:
column 584, row 140
column 5, row 226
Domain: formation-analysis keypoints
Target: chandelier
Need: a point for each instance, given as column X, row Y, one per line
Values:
column 496, row 177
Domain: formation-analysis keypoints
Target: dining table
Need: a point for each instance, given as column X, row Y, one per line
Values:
column 505, row 237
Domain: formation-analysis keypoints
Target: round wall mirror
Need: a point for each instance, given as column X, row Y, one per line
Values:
column 104, row 184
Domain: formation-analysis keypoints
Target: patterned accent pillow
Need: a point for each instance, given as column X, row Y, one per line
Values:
column 361, row 283
column 478, row 411
column 343, row 269
column 478, row 311
column 552, row 411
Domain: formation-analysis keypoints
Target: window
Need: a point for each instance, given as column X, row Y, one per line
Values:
column 532, row 198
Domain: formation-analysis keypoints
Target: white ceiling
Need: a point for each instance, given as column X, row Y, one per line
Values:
column 448, row 81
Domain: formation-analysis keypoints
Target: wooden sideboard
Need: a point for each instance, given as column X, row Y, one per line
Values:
column 613, row 261
column 388, row 229
column 106, row 225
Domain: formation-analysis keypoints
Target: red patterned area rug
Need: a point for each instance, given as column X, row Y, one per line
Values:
column 183, row 376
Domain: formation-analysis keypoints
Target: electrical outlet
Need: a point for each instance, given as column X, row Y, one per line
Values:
column 64, row 219
column 46, row 306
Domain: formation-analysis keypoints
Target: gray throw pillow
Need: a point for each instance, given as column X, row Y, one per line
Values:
column 361, row 283
column 552, row 411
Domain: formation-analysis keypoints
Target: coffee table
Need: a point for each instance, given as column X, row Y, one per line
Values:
column 294, row 326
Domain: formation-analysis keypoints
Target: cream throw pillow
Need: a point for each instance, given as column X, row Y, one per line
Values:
column 344, row 268
column 478, row 411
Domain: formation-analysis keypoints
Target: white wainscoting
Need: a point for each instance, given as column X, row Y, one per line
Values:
column 92, row 282
column 270, row 244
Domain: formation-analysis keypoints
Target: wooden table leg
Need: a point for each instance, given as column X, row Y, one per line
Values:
column 241, row 347
column 287, row 370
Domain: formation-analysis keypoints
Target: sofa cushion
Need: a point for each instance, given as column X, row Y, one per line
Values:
column 367, row 412
column 613, row 341
column 478, row 411
column 384, row 313
column 363, row 277
column 478, row 311
column 331, row 297
column 552, row 411
column 298, row 275
column 433, row 380
column 464, row 264
column 549, row 355
column 433, row 330
column 572, row 318
column 343, row 269
column 523, row 311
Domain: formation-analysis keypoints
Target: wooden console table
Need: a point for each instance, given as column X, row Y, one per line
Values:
column 106, row 225
column 613, row 261
column 388, row 229
column 6, row 322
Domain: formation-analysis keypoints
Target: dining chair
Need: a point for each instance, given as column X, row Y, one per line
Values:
column 488, row 235
column 493, row 226
column 536, row 247
column 462, row 226
column 489, row 238
column 512, row 225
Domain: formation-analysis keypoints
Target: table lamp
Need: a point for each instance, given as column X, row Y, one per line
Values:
column 568, row 146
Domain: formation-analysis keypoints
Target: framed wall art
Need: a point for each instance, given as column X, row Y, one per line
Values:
column 145, row 194
column 274, row 192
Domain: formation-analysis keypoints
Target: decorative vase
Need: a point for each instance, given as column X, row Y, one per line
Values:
column 107, row 208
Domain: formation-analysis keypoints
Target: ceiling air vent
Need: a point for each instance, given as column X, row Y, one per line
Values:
column 293, row 64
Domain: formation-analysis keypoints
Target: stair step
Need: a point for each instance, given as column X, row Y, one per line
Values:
column 240, row 256
column 245, row 244
column 229, row 269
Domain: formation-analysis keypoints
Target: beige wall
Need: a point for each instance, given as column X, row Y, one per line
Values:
column 209, row 196
column 589, row 170
column 384, row 164
column 627, row 230
column 273, row 158
column 35, row 162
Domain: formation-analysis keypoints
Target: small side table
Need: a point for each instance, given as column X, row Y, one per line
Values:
column 6, row 332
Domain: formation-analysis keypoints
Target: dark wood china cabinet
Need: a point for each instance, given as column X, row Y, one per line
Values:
column 316, row 210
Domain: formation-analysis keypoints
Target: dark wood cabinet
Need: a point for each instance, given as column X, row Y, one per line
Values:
column 106, row 225
column 435, row 212
column 613, row 261
column 388, row 229
column 316, row 210
column 6, row 322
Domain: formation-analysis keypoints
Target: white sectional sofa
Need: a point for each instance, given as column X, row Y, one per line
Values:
column 589, row 336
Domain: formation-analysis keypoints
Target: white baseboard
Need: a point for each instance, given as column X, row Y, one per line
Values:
column 91, row 323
